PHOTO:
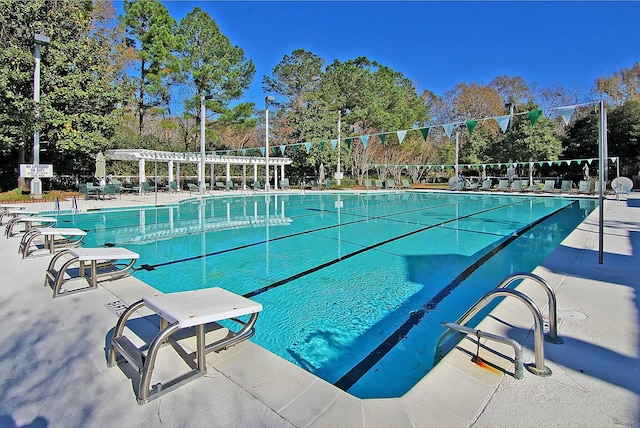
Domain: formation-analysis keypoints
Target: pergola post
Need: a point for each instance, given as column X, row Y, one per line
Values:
column 275, row 177
column 142, row 177
column 170, row 168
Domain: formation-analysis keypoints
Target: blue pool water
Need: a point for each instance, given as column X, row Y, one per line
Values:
column 354, row 286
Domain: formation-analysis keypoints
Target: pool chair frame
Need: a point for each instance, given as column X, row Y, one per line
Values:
column 209, row 306
column 102, row 266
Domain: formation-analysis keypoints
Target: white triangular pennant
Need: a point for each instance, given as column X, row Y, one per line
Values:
column 448, row 128
column 282, row 149
column 401, row 135
column 334, row 143
column 262, row 150
column 365, row 140
column 307, row 146
column 566, row 113
column 503, row 121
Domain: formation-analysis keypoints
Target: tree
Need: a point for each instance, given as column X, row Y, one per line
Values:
column 623, row 137
column 513, row 90
column 152, row 30
column 621, row 86
column 213, row 66
column 528, row 142
column 82, row 81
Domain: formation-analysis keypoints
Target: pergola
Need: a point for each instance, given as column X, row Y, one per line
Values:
column 176, row 158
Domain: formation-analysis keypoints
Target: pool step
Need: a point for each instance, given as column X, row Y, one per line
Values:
column 129, row 352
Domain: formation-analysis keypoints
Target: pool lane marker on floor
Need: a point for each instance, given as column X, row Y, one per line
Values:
column 360, row 251
column 360, row 369
column 148, row 267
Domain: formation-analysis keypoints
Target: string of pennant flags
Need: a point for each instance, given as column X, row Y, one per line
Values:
column 437, row 167
column 503, row 122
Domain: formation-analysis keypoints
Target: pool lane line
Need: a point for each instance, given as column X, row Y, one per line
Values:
column 149, row 268
column 359, row 370
column 360, row 251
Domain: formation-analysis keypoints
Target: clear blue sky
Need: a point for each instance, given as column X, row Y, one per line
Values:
column 437, row 44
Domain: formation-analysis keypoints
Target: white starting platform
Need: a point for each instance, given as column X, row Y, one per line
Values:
column 51, row 238
column 180, row 311
column 29, row 221
column 103, row 264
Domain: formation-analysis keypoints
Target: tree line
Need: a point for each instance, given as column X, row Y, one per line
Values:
column 136, row 81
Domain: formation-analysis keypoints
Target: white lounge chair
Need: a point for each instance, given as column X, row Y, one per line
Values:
column 179, row 311
column 103, row 264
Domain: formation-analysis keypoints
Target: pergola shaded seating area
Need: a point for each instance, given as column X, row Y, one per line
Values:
column 174, row 159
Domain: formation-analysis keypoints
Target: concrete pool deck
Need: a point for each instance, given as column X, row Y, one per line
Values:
column 54, row 373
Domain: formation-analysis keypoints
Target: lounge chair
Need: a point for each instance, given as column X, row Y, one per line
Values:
column 257, row 185
column 284, row 184
column 230, row 185
column 193, row 188
column 379, row 185
column 171, row 187
column 102, row 264
column 471, row 184
column 456, row 183
column 110, row 191
column 180, row 311
column 367, row 184
column 517, row 186
column 143, row 188
column 565, row 186
column 486, row 184
column 406, row 184
column 390, row 184
column 584, row 187
column 503, row 186
column 549, row 186
column 89, row 190
column 535, row 187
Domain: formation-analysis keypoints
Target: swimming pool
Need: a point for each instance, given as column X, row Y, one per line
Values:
column 354, row 286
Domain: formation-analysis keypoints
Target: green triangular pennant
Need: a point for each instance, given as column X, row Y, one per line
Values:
column 424, row 132
column 295, row 148
column 383, row 137
column 471, row 125
column 533, row 116
column 321, row 145
column 348, row 141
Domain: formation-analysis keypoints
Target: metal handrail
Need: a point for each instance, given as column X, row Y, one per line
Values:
column 538, row 332
column 517, row 347
column 552, row 336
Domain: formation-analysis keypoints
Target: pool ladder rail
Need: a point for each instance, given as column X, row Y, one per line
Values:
column 459, row 327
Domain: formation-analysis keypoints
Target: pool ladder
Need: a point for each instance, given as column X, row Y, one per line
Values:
column 454, row 329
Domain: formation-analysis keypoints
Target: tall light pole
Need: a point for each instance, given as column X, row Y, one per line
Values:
column 268, row 99
column 457, row 154
column 36, row 184
column 339, row 174
column 203, row 113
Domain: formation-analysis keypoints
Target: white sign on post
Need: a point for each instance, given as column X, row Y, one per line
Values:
column 29, row 170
